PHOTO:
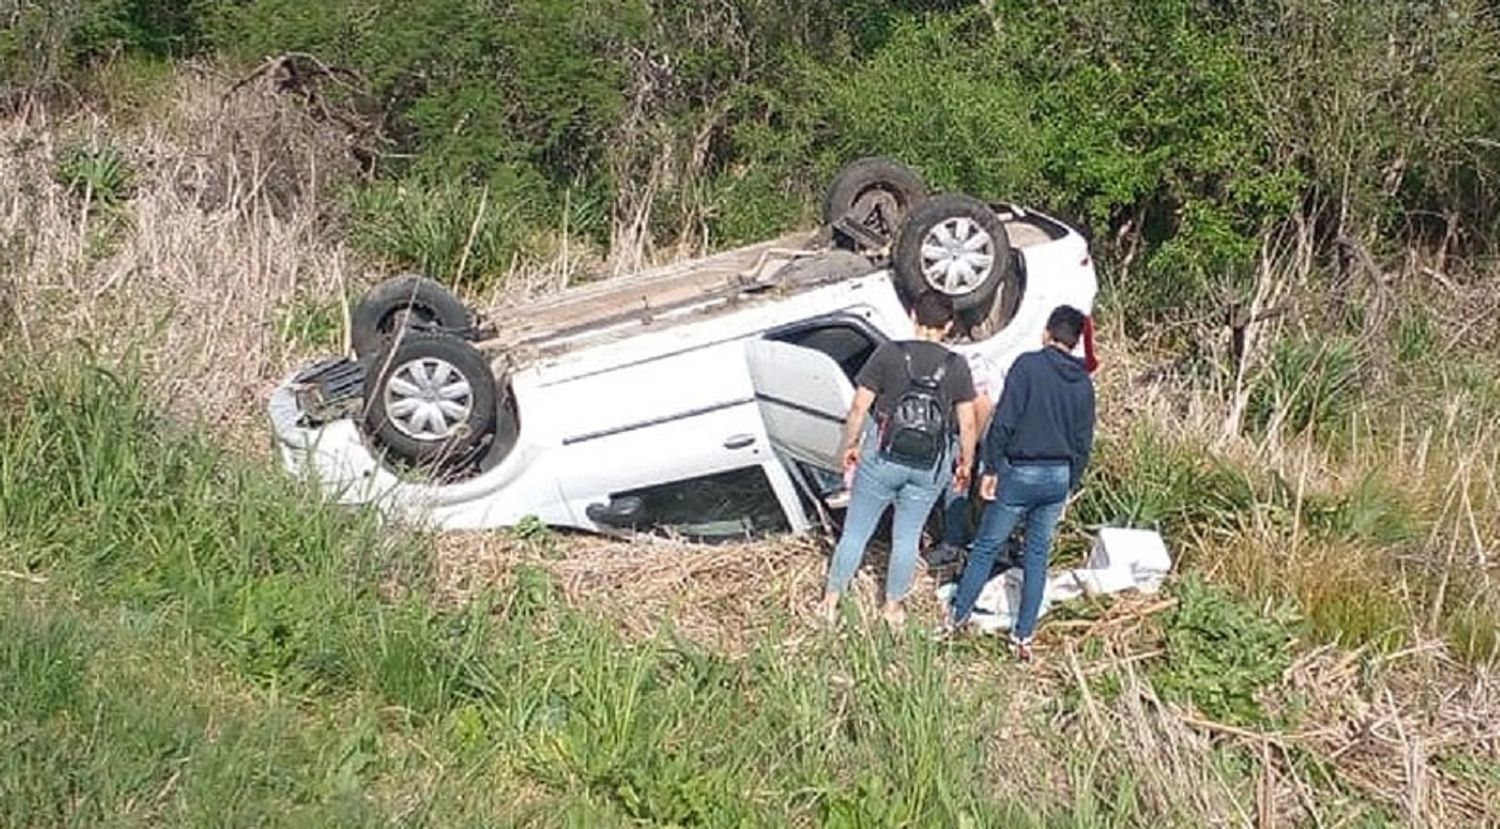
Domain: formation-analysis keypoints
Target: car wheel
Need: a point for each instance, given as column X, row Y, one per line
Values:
column 876, row 194
column 956, row 245
column 430, row 399
column 988, row 320
column 401, row 302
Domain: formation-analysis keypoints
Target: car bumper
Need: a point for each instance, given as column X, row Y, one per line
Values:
column 339, row 461
column 332, row 455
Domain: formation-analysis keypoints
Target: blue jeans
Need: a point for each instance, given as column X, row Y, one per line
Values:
column 878, row 482
column 1037, row 494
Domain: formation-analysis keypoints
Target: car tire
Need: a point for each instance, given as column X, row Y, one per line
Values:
column 402, row 302
column 878, row 192
column 987, row 321
column 431, row 399
column 954, row 244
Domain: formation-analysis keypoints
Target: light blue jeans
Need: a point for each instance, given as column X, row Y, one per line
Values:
column 1033, row 493
column 878, row 483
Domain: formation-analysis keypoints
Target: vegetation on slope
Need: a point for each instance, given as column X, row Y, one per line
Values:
column 1296, row 229
column 1178, row 131
column 186, row 640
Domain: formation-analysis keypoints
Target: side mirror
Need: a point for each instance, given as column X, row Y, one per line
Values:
column 622, row 512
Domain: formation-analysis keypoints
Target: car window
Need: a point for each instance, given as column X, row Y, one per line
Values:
column 720, row 507
column 847, row 345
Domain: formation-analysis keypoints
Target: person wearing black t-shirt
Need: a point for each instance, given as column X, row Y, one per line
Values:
column 883, row 477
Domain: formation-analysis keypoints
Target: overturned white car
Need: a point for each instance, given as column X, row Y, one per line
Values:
column 698, row 398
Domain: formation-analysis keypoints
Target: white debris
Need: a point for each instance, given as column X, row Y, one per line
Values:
column 1122, row 559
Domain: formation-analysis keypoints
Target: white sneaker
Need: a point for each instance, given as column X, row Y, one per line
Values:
column 1020, row 648
column 838, row 500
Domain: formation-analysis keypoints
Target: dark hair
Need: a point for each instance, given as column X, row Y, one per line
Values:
column 1065, row 325
column 933, row 309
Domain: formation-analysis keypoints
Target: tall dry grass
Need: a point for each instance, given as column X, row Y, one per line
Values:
column 224, row 234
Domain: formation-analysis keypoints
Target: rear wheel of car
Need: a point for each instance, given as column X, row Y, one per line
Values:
column 875, row 194
column 431, row 399
column 400, row 303
column 956, row 245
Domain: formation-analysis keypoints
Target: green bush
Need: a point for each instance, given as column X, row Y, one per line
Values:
column 723, row 122
column 446, row 230
column 1148, row 479
column 1220, row 655
column 1386, row 108
column 46, row 43
column 1371, row 511
column 962, row 116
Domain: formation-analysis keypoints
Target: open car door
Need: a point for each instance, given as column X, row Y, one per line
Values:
column 804, row 397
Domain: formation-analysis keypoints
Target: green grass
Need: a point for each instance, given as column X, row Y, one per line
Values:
column 1340, row 548
column 1151, row 478
column 309, row 321
column 185, row 640
column 188, row 639
column 97, row 174
column 112, row 720
column 449, row 230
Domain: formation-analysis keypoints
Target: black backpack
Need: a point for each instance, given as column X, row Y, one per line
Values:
column 916, row 431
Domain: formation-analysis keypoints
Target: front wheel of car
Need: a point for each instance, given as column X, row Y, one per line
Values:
column 956, row 245
column 431, row 399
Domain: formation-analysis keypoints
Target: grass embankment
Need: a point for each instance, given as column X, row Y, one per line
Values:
column 188, row 641
column 1378, row 542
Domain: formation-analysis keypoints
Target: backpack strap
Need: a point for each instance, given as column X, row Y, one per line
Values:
column 937, row 376
column 906, row 359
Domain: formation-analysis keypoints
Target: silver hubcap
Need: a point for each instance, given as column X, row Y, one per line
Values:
column 957, row 256
column 428, row 399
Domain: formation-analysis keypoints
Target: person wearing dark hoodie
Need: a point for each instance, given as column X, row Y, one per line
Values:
column 1035, row 452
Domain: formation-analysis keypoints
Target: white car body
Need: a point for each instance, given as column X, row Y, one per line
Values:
column 681, row 404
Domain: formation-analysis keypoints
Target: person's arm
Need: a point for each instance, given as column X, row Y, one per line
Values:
column 1007, row 416
column 984, row 406
column 854, row 425
column 968, row 436
column 1083, row 444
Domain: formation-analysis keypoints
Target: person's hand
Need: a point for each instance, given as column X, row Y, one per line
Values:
column 961, row 477
column 989, row 487
column 851, row 458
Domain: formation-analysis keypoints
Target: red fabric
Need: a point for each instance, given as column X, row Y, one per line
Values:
column 1090, row 361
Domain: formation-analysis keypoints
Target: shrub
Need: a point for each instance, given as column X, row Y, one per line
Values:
column 1308, row 384
column 1148, row 479
column 722, row 122
column 96, row 174
column 45, row 43
column 1220, row 655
